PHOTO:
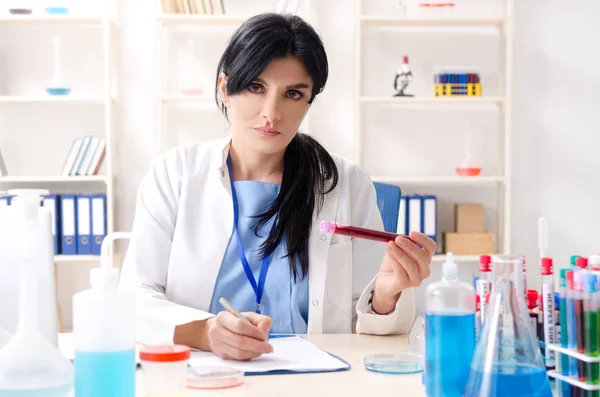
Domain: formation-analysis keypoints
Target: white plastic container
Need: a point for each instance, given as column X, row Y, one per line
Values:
column 104, row 336
column 449, row 332
column 165, row 370
column 29, row 364
column 42, row 261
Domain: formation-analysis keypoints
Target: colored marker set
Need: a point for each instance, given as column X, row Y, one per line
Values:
column 456, row 83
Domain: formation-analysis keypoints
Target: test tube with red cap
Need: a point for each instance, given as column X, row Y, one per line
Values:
column 594, row 262
column 532, row 306
column 578, row 283
column 484, row 284
column 571, row 321
column 581, row 262
column 547, row 310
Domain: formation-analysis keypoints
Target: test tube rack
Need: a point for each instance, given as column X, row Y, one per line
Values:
column 579, row 356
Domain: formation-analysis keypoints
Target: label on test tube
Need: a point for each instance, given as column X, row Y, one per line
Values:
column 484, row 291
column 549, row 335
column 548, row 313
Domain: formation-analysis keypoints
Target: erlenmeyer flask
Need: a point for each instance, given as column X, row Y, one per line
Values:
column 507, row 359
column 470, row 164
column 57, row 86
column 191, row 80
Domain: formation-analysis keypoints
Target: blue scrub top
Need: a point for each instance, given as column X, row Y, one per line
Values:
column 284, row 300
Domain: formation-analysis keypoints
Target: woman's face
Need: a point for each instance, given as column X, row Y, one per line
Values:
column 267, row 114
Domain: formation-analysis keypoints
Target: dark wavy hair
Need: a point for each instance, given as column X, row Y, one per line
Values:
column 309, row 170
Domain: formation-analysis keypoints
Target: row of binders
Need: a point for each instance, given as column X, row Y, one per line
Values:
column 403, row 214
column 79, row 222
column 85, row 156
column 210, row 7
column 418, row 213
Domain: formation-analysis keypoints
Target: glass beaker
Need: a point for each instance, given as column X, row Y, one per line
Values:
column 469, row 164
column 57, row 86
column 191, row 80
column 507, row 359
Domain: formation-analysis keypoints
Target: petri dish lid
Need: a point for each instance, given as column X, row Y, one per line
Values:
column 401, row 363
column 213, row 377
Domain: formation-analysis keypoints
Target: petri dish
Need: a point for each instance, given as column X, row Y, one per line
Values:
column 402, row 363
column 213, row 377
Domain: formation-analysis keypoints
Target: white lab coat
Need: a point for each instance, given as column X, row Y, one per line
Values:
column 182, row 226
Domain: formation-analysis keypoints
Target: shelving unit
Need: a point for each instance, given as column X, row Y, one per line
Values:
column 441, row 180
column 76, row 258
column 570, row 379
column 164, row 21
column 457, row 258
column 433, row 101
column 174, row 19
column 73, row 100
column 106, row 23
column 186, row 98
column 55, row 179
column 62, row 20
column 429, row 21
column 440, row 25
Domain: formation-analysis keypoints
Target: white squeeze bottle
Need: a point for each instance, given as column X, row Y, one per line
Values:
column 30, row 364
column 449, row 333
column 104, row 335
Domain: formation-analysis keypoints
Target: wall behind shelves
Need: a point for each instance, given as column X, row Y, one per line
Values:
column 554, row 92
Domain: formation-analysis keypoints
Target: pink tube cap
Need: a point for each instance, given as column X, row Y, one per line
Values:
column 327, row 226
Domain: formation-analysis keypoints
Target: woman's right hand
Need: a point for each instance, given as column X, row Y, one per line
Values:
column 231, row 338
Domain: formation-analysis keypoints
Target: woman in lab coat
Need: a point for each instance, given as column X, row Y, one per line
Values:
column 239, row 217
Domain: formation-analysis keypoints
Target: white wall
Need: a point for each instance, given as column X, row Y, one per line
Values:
column 556, row 127
column 555, row 92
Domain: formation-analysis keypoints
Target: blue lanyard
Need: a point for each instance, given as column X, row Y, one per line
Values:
column 264, row 267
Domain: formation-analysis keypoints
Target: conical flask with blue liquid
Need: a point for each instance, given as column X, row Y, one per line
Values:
column 507, row 360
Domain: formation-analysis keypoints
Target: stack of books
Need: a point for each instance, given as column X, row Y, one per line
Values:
column 210, row 7
column 85, row 156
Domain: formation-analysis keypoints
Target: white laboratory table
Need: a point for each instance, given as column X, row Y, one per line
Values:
column 355, row 382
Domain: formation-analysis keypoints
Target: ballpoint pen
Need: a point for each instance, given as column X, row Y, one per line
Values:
column 229, row 307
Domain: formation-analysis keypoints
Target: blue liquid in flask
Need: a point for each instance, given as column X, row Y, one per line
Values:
column 58, row 91
column 105, row 374
column 447, row 363
column 518, row 380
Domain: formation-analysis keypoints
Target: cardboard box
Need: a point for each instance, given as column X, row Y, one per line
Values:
column 469, row 243
column 469, row 218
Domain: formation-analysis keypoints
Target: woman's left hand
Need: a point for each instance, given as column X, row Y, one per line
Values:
column 405, row 265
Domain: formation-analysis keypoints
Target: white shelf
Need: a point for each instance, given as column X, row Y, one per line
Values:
column 457, row 258
column 186, row 98
column 52, row 99
column 53, row 179
column 572, row 381
column 572, row 353
column 440, row 180
column 76, row 258
column 407, row 101
column 184, row 19
column 430, row 21
column 424, row 106
column 53, row 20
